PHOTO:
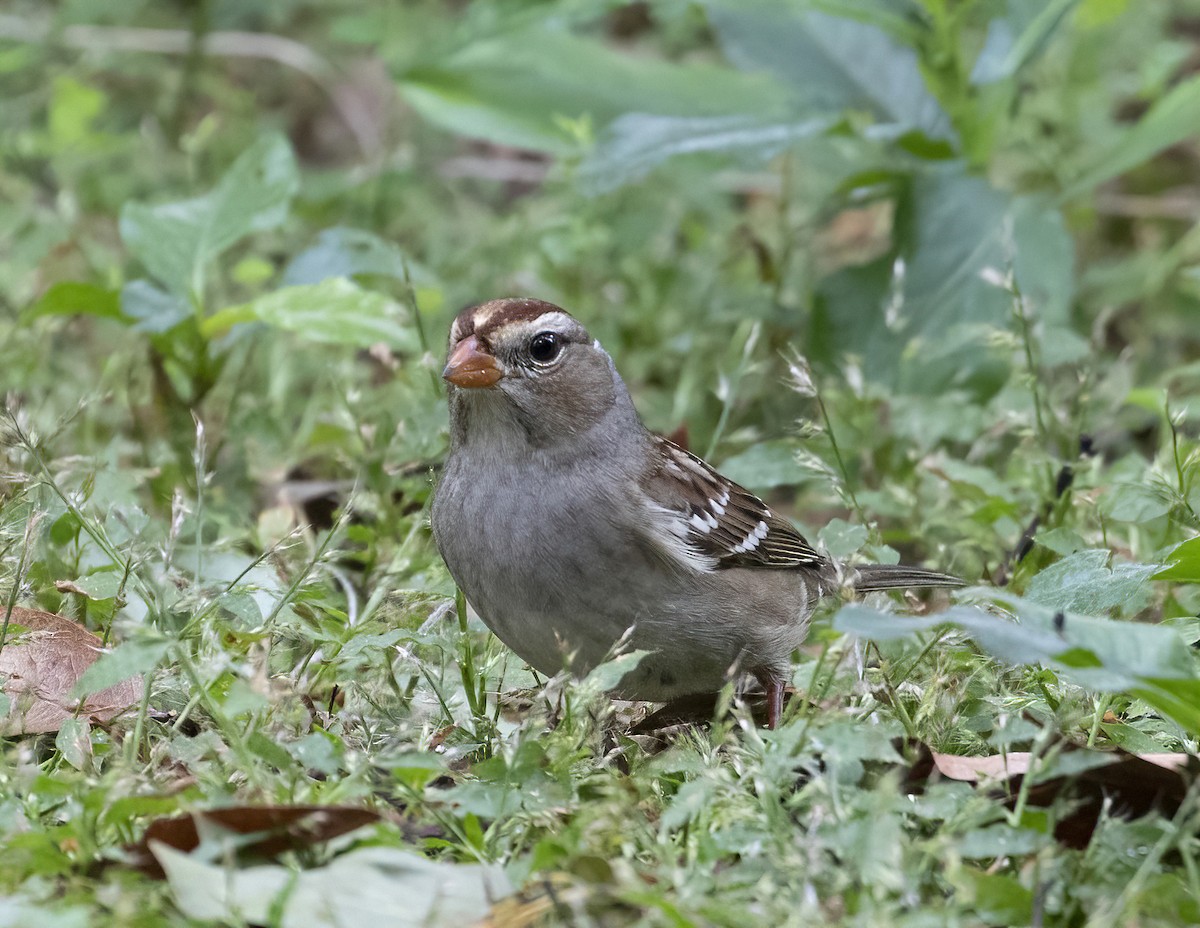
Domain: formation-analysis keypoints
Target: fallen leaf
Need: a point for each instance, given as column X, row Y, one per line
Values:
column 974, row 769
column 1133, row 784
column 277, row 829
column 41, row 665
column 385, row 887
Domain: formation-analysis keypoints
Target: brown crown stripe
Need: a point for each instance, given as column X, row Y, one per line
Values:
column 487, row 317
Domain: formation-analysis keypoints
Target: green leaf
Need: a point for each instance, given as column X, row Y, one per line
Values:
column 72, row 298
column 1150, row 662
column 381, row 886
column 73, row 109
column 1017, row 38
column 995, row 898
column 176, row 241
column 269, row 750
column 1174, row 698
column 103, row 584
column 1171, row 120
column 153, row 310
column 74, row 742
column 606, row 676
column 841, row 538
column 520, row 86
column 1001, row 841
column 1183, row 563
column 832, row 64
column 765, row 465
column 127, row 660
column 1083, row 582
column 857, row 619
column 923, row 317
column 319, row 751
column 343, row 252
column 1135, row 502
column 21, row 913
column 636, row 143
column 335, row 311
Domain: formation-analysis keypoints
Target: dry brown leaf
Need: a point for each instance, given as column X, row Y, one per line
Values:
column 279, row 829
column 1133, row 785
column 40, row 667
column 973, row 769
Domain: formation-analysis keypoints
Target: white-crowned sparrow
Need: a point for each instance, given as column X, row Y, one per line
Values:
column 568, row 525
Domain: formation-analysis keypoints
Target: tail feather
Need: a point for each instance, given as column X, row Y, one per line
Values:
column 875, row 577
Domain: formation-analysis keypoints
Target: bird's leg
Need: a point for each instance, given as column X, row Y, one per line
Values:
column 774, row 687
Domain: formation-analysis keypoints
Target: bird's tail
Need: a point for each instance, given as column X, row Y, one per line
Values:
column 875, row 577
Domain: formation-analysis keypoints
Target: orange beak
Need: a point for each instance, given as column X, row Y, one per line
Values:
column 469, row 365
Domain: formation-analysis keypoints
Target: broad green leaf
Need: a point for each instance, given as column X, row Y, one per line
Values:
column 1083, row 582
column 335, row 311
column 604, row 677
column 127, row 660
column 831, row 64
column 690, row 802
column 1001, row 841
column 520, row 86
column 636, row 143
column 923, row 318
column 857, row 619
column 343, row 252
column 381, row 886
column 1135, row 502
column 963, row 236
column 35, row 913
column 73, row 109
column 152, row 309
column 1147, row 661
column 1171, row 120
column 74, row 743
column 996, row 898
column 1061, row 540
column 982, row 479
column 73, row 298
column 269, row 750
column 765, row 465
column 1177, row 699
column 841, row 538
column 1183, row 563
column 1018, row 37
column 103, row 584
column 176, row 241
column 319, row 751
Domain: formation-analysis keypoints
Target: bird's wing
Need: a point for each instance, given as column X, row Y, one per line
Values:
column 714, row 523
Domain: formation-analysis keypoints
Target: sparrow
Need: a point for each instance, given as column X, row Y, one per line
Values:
column 573, row 530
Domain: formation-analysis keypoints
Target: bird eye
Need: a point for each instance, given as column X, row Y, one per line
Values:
column 545, row 347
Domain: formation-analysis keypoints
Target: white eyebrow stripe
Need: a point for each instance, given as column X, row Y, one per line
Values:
column 552, row 320
column 482, row 315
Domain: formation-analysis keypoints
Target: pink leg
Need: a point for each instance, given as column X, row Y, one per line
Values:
column 774, row 701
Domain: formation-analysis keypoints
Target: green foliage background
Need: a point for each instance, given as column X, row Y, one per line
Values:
column 923, row 272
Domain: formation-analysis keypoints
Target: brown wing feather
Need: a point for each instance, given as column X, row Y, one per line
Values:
column 722, row 521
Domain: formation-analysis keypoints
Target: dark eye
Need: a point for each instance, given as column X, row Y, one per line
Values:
column 545, row 347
